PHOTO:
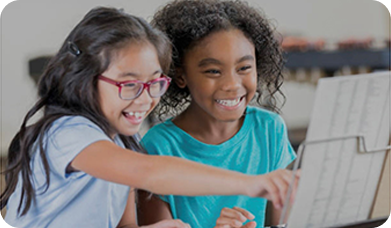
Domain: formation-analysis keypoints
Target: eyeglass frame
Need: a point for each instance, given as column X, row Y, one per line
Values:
column 145, row 85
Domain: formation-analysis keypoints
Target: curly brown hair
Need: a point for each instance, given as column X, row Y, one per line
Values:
column 188, row 22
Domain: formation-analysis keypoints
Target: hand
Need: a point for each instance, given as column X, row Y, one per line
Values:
column 274, row 186
column 235, row 217
column 169, row 223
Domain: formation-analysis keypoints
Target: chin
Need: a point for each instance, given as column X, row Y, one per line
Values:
column 129, row 132
column 233, row 115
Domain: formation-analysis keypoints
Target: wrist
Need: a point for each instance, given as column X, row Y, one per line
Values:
column 254, row 186
column 249, row 186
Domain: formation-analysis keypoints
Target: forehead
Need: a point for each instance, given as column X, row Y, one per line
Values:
column 136, row 53
column 135, row 49
column 135, row 58
column 223, row 44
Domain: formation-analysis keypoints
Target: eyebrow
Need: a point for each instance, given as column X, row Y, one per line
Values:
column 208, row 61
column 246, row 57
column 132, row 74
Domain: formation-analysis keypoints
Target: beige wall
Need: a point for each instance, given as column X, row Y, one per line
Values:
column 31, row 28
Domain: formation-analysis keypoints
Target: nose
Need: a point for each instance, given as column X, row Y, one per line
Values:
column 231, row 82
column 144, row 98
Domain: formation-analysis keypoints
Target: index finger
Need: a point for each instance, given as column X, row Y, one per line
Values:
column 298, row 173
column 244, row 212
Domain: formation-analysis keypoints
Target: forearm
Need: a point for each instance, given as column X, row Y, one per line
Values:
column 159, row 174
column 151, row 209
column 133, row 226
column 171, row 175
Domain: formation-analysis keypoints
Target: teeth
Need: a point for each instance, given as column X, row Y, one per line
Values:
column 229, row 102
column 136, row 114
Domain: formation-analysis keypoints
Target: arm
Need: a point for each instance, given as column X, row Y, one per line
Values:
column 129, row 219
column 171, row 175
column 151, row 209
column 159, row 174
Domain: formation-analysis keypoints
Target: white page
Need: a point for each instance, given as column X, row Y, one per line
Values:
column 337, row 184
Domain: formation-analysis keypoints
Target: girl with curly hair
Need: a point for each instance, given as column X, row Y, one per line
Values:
column 224, row 56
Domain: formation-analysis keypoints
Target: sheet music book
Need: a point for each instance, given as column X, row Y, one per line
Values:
column 338, row 184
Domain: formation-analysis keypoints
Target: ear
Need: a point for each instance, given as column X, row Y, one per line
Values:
column 180, row 79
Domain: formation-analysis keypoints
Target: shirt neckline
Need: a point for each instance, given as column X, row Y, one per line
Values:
column 227, row 144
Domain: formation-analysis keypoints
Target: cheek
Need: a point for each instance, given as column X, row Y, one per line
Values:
column 108, row 99
column 155, row 101
column 252, row 82
column 202, row 86
column 201, row 93
column 101, row 97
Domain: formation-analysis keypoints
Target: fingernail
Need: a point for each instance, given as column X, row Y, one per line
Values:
column 237, row 223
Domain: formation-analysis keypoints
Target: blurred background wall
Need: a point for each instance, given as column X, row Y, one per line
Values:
column 34, row 28
column 31, row 29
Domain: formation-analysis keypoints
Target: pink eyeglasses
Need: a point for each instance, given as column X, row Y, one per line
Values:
column 129, row 90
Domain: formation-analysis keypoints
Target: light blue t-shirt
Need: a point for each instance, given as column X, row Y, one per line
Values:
column 260, row 146
column 73, row 199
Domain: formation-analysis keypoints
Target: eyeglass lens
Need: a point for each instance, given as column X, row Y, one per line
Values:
column 133, row 90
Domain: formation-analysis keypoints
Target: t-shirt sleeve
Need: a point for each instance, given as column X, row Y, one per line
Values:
column 65, row 140
column 285, row 153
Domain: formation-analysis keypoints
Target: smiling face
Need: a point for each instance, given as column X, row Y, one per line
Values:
column 220, row 73
column 136, row 61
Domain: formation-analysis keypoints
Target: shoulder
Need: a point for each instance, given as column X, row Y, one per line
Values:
column 263, row 116
column 74, row 128
column 161, row 131
column 73, row 121
column 160, row 137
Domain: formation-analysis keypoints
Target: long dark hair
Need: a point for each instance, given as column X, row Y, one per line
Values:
column 69, row 87
column 187, row 22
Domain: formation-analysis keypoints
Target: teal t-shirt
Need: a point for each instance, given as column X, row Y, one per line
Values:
column 259, row 147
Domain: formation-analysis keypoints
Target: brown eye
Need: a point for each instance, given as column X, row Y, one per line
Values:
column 212, row 72
column 130, row 90
column 245, row 68
column 130, row 85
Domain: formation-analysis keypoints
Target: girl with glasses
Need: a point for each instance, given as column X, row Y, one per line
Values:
column 78, row 164
column 225, row 55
